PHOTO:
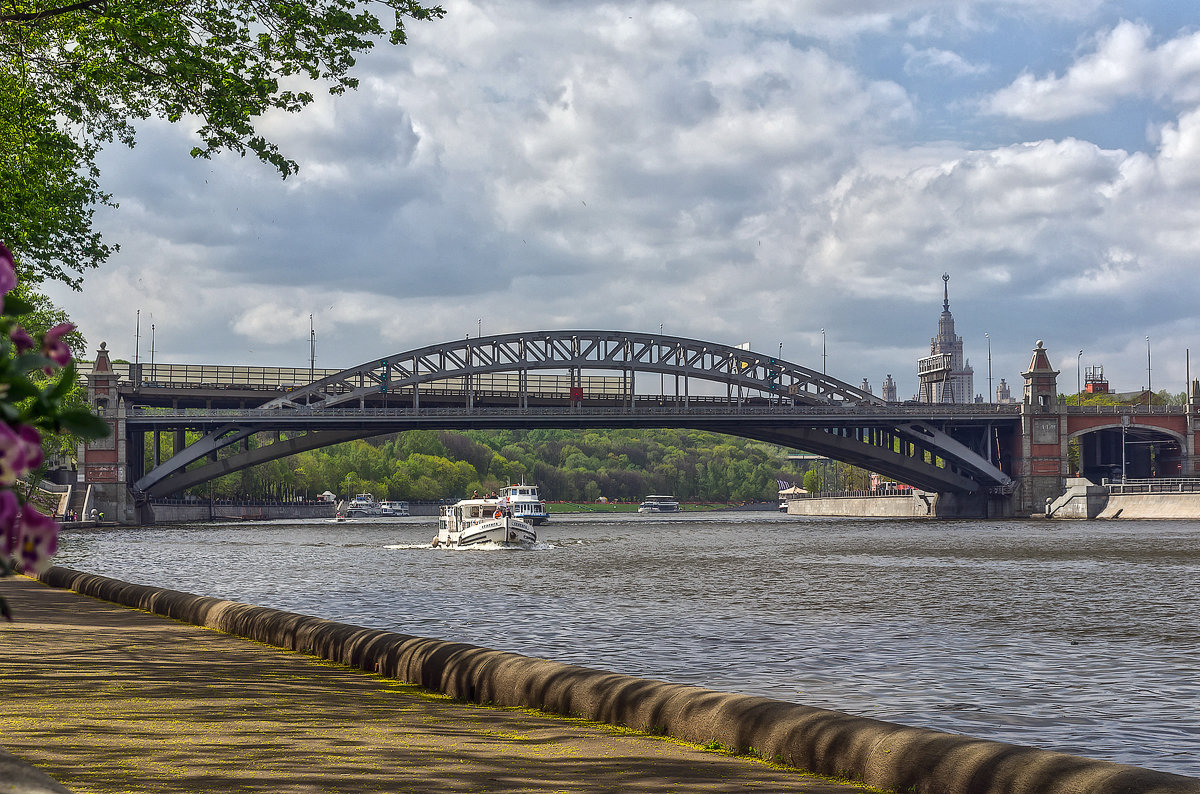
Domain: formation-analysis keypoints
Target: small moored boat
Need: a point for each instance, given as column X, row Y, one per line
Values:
column 474, row 522
column 393, row 508
column 363, row 504
column 657, row 503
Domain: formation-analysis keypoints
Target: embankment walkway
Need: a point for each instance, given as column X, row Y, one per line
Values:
column 105, row 698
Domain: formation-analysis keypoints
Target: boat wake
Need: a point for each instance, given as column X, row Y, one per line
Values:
column 538, row 546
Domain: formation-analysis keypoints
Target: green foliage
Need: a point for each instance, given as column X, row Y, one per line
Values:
column 50, row 185
column 74, row 76
column 812, row 482
column 41, row 315
column 568, row 466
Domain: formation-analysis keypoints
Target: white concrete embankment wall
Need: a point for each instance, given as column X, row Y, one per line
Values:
column 1152, row 505
column 903, row 506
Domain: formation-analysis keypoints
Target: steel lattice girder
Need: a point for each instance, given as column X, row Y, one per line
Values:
column 898, row 450
column 571, row 350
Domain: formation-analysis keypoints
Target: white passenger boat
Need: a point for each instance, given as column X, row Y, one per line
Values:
column 363, row 504
column 387, row 508
column 657, row 503
column 474, row 522
column 525, row 503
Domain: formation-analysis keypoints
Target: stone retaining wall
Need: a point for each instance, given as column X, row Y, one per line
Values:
column 880, row 754
column 1181, row 506
column 175, row 513
column 902, row 506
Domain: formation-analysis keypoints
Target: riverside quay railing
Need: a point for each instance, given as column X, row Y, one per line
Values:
column 1156, row 485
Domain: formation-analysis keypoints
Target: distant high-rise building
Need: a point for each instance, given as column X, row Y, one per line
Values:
column 957, row 384
column 889, row 389
column 1004, row 394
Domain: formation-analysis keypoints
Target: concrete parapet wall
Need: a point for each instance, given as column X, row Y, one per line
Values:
column 906, row 506
column 880, row 754
column 18, row 777
column 1152, row 505
column 183, row 512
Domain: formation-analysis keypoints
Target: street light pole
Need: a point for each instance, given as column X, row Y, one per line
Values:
column 822, row 351
column 1078, row 388
column 991, row 394
column 1149, row 388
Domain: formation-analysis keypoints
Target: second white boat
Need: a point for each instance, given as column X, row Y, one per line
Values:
column 475, row 522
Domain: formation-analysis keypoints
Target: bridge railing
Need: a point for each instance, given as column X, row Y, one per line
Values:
column 1156, row 485
column 854, row 494
column 641, row 408
column 1126, row 409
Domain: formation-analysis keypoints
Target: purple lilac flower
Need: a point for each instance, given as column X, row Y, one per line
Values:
column 10, row 513
column 31, row 439
column 39, row 540
column 12, row 456
column 22, row 340
column 8, row 271
column 54, row 347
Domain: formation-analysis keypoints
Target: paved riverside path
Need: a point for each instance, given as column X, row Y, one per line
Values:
column 109, row 699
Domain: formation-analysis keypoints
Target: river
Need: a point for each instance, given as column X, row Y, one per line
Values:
column 1082, row 637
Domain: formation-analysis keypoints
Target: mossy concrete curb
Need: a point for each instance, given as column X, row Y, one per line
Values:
column 877, row 753
column 18, row 777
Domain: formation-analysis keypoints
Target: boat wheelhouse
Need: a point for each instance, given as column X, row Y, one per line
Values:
column 525, row 503
column 658, row 503
column 475, row 522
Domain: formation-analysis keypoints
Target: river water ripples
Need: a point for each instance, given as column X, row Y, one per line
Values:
column 1082, row 637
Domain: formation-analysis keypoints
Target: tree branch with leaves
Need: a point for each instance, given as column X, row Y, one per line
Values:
column 76, row 76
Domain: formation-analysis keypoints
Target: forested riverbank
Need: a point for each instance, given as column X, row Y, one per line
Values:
column 577, row 466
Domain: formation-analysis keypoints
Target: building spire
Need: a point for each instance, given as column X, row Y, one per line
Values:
column 945, row 292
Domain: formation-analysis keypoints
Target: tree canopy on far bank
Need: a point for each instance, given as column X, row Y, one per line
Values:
column 569, row 465
column 77, row 75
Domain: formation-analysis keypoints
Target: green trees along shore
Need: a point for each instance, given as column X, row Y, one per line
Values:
column 568, row 465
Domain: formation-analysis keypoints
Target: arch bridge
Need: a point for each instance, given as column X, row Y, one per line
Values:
column 577, row 379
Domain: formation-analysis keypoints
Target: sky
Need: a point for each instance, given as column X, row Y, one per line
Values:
column 752, row 171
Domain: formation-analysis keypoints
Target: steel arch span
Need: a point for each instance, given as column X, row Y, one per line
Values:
column 574, row 351
column 766, row 398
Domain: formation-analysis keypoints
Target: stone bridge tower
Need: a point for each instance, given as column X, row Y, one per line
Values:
column 1043, row 435
column 102, row 464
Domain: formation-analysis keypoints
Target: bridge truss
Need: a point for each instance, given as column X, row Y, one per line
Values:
column 489, row 382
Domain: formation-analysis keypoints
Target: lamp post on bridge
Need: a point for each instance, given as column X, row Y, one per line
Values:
column 991, row 394
column 1149, row 388
column 1078, row 388
column 822, row 351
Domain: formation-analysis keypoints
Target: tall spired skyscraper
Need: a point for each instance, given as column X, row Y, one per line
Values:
column 959, row 385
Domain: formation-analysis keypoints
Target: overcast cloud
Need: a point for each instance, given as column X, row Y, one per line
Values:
column 750, row 171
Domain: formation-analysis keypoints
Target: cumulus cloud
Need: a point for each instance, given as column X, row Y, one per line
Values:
column 1121, row 64
column 934, row 61
column 529, row 164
